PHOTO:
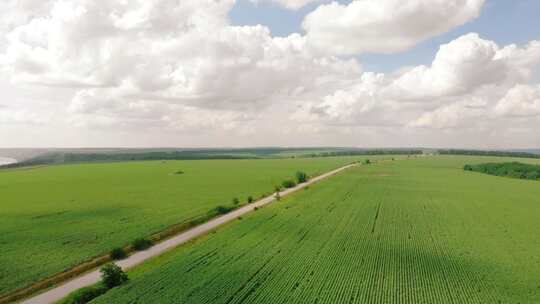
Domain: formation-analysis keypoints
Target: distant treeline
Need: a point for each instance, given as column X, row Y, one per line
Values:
column 174, row 155
column 513, row 169
column 489, row 153
column 61, row 158
column 200, row 154
column 364, row 152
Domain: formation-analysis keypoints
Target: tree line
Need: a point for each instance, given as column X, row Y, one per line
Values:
column 513, row 169
column 489, row 153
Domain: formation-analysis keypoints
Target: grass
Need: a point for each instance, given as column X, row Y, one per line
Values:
column 85, row 295
column 54, row 218
column 416, row 231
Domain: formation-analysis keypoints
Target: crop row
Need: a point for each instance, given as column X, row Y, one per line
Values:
column 368, row 236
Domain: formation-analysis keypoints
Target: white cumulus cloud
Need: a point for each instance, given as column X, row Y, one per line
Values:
column 521, row 100
column 459, row 67
column 127, row 57
column 470, row 82
column 150, row 67
column 291, row 4
column 384, row 26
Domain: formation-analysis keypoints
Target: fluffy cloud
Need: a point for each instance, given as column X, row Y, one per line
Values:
column 143, row 58
column 521, row 101
column 348, row 104
column 180, row 67
column 384, row 26
column 18, row 117
column 90, row 43
column 462, row 114
column 465, row 64
column 470, row 82
column 291, row 4
column 17, row 12
column 475, row 83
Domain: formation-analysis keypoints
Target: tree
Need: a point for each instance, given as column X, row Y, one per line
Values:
column 288, row 183
column 112, row 275
column 533, row 175
column 235, row 201
column 141, row 244
column 301, row 177
column 222, row 209
column 118, row 253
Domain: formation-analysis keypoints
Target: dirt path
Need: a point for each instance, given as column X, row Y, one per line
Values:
column 61, row 291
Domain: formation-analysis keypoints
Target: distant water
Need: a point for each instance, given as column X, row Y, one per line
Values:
column 7, row 161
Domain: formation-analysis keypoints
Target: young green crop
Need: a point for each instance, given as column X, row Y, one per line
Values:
column 53, row 218
column 415, row 231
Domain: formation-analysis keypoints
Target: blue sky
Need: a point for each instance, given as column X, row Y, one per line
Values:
column 503, row 21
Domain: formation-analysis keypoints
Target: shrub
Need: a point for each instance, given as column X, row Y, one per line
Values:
column 112, row 275
column 118, row 253
column 235, row 201
column 301, row 177
column 86, row 294
column 179, row 172
column 141, row 244
column 222, row 209
column 197, row 221
column 367, row 162
column 250, row 199
column 277, row 188
column 288, row 183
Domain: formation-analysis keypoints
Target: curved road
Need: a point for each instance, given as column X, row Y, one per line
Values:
column 61, row 291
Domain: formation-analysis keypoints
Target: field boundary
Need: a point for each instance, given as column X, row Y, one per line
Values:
column 164, row 241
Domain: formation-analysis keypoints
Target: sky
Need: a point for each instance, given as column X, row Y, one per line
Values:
column 225, row 73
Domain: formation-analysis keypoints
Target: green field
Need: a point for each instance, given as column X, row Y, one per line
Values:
column 53, row 218
column 415, row 231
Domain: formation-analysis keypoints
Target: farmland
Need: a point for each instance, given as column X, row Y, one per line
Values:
column 415, row 231
column 53, row 218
